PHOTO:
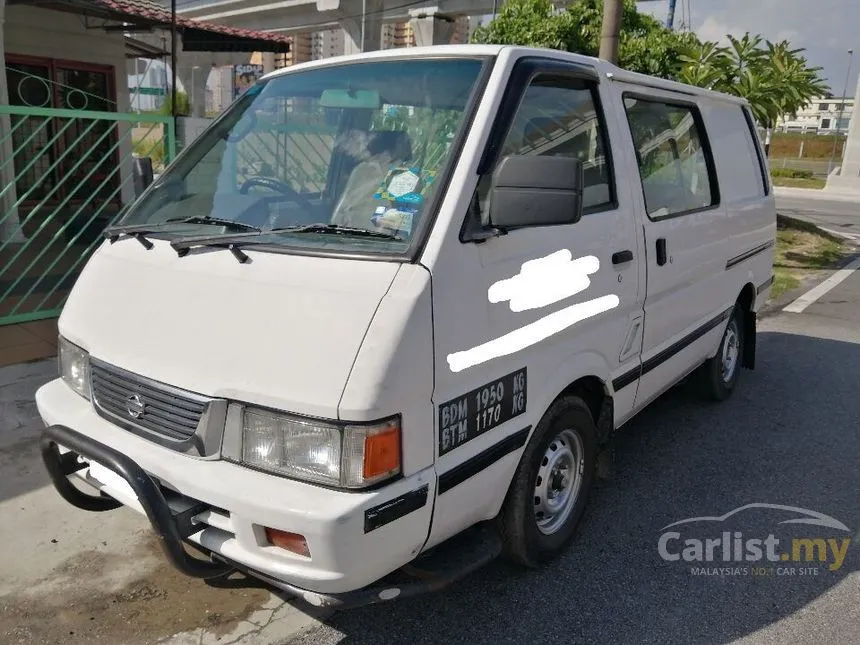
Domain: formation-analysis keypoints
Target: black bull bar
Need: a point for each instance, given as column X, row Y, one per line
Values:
column 449, row 562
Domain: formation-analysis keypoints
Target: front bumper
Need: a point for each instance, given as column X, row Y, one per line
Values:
column 223, row 508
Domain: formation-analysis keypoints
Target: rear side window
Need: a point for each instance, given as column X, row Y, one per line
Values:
column 754, row 143
column 675, row 163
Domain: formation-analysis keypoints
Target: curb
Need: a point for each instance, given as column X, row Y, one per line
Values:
column 787, row 221
column 773, row 307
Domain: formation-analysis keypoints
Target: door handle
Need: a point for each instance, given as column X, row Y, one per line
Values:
column 620, row 257
column 661, row 251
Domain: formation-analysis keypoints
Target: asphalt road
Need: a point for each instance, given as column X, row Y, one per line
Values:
column 788, row 436
column 837, row 214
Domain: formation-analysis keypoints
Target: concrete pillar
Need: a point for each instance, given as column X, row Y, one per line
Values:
column 847, row 180
column 432, row 28
column 268, row 62
column 851, row 159
column 10, row 225
column 372, row 22
column 193, row 76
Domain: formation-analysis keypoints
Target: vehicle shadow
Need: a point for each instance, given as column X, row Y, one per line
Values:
column 787, row 436
column 20, row 425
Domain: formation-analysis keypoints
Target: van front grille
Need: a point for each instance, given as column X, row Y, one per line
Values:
column 153, row 406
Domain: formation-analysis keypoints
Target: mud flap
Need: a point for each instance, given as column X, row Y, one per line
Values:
column 605, row 427
column 749, row 323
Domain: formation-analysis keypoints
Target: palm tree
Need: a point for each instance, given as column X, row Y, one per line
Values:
column 774, row 78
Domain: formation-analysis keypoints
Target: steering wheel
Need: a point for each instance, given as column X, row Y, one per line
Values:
column 279, row 186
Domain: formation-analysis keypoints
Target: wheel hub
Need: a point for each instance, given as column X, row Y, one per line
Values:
column 731, row 351
column 558, row 481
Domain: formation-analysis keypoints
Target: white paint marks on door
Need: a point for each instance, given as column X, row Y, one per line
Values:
column 540, row 283
column 545, row 281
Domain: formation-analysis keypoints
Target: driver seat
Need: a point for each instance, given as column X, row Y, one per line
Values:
column 375, row 152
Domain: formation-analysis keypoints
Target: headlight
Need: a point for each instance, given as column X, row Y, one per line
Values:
column 74, row 367
column 347, row 456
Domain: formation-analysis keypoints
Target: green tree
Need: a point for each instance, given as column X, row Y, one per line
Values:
column 183, row 105
column 645, row 46
column 776, row 79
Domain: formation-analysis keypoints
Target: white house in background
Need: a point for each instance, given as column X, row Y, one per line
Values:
column 820, row 116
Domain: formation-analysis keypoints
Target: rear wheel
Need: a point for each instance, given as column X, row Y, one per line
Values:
column 551, row 486
column 719, row 375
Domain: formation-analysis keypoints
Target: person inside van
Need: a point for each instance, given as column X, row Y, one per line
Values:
column 376, row 152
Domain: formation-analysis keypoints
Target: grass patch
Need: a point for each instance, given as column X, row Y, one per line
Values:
column 799, row 255
column 797, row 182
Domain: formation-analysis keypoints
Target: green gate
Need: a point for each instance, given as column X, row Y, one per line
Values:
column 64, row 176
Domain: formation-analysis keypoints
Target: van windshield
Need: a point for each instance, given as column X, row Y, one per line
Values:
column 362, row 146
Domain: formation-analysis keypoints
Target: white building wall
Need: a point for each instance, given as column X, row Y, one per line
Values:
column 821, row 116
column 30, row 31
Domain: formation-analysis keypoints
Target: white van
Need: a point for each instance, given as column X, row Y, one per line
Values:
column 377, row 324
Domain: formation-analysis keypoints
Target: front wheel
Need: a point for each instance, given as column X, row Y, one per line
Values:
column 719, row 375
column 552, row 484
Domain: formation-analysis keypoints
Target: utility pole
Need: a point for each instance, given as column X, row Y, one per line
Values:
column 173, row 42
column 670, row 20
column 612, row 11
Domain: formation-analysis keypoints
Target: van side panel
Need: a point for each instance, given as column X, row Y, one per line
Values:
column 749, row 202
column 496, row 372
column 685, row 228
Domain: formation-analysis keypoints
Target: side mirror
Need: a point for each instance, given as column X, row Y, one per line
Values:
column 536, row 191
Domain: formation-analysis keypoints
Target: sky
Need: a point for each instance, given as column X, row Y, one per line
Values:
column 827, row 29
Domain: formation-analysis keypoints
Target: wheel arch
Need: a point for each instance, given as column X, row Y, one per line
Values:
column 587, row 375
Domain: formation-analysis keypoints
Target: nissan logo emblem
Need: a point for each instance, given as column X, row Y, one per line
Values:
column 135, row 406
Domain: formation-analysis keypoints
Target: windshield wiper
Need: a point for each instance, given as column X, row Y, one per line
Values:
column 232, row 242
column 139, row 231
column 215, row 221
column 336, row 229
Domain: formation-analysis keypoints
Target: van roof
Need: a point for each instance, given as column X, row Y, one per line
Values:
column 604, row 68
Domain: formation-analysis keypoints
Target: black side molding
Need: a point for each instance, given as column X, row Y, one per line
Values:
column 686, row 341
column 746, row 255
column 626, row 379
column 483, row 460
column 655, row 361
column 764, row 285
column 171, row 529
column 395, row 509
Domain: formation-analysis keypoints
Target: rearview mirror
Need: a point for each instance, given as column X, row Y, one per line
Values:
column 367, row 99
column 536, row 191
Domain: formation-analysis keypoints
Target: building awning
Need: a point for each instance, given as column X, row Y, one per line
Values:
column 144, row 15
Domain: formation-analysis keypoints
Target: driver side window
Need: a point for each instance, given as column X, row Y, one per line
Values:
column 291, row 142
column 560, row 116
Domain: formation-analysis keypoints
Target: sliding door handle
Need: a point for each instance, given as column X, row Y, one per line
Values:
column 620, row 257
column 661, row 251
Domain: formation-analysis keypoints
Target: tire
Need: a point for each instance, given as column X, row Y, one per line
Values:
column 718, row 376
column 565, row 436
